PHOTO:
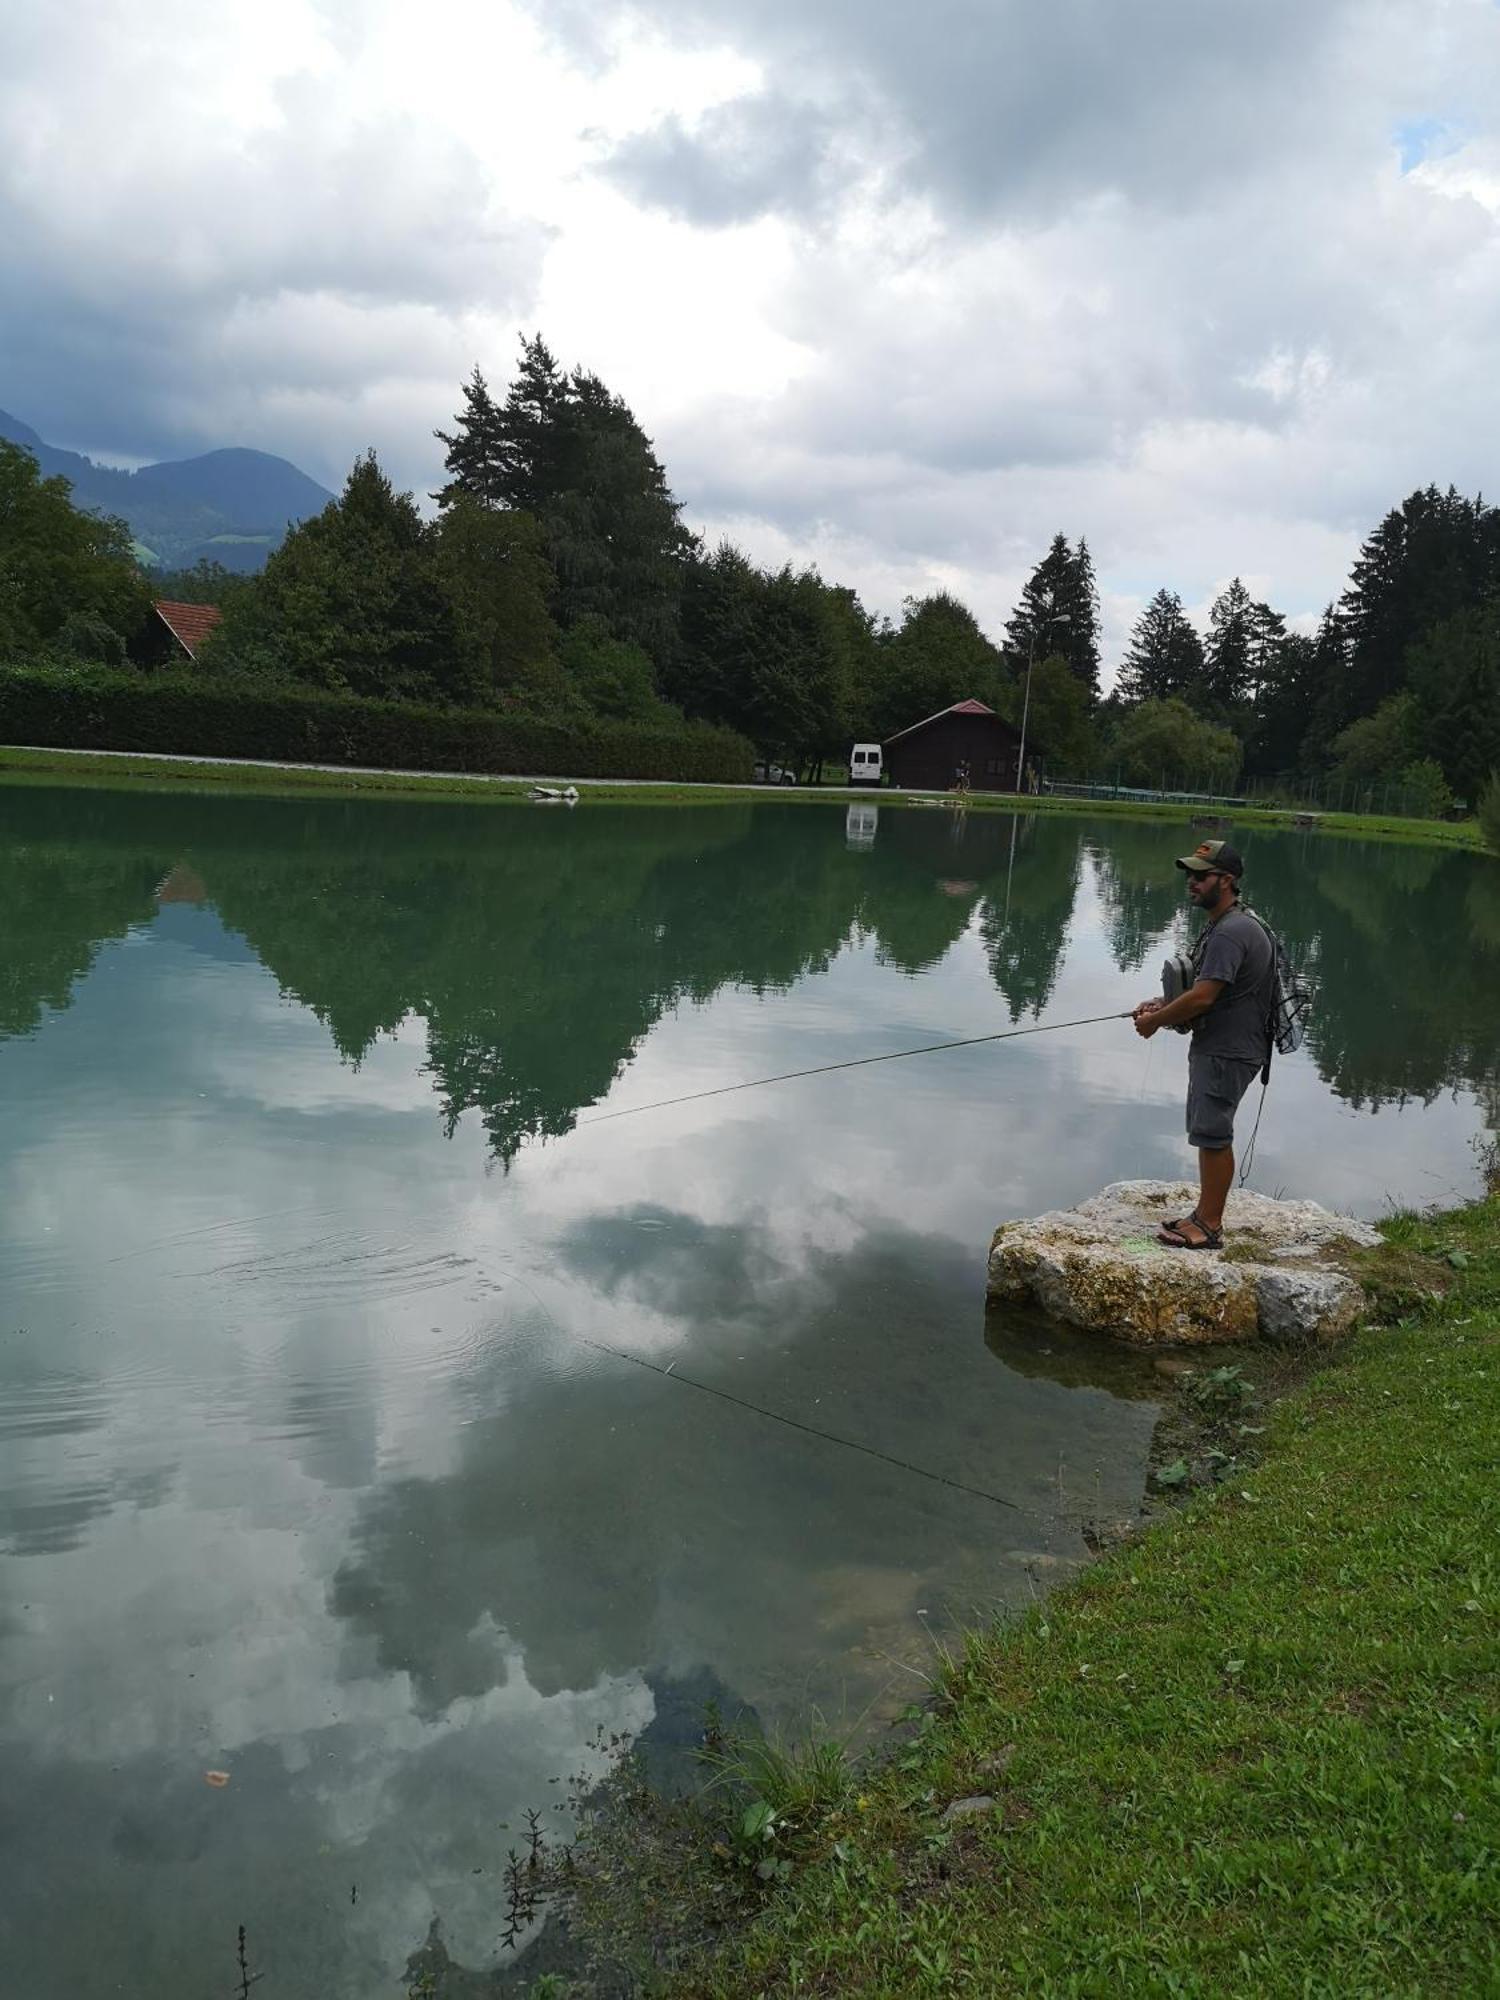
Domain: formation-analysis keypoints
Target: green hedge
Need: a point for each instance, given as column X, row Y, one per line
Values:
column 124, row 711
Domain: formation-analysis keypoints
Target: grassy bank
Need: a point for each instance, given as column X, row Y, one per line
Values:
column 1255, row 1752
column 134, row 769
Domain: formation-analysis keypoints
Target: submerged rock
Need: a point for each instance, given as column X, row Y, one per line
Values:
column 1283, row 1274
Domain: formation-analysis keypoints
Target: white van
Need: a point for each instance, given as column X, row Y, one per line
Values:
column 865, row 765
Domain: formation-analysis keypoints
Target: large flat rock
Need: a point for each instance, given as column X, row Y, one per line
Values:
column 1283, row 1276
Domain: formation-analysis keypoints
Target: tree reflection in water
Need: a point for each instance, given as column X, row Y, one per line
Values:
column 540, row 950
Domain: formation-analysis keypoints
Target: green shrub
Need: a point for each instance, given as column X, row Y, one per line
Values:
column 1424, row 789
column 1489, row 812
column 99, row 710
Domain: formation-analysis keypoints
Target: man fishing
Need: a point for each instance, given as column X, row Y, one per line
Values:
column 1228, row 1010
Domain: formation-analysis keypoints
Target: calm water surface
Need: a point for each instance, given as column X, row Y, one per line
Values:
column 316, row 1465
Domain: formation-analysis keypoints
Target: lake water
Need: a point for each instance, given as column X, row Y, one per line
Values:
column 328, row 1462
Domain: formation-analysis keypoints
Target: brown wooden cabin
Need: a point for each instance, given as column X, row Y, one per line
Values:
column 927, row 755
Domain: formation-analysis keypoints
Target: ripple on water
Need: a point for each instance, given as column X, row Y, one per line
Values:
column 344, row 1267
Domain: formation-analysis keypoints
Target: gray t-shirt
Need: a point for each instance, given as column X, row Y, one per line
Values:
column 1236, row 950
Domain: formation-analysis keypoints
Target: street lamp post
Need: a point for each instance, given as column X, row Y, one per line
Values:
column 1054, row 618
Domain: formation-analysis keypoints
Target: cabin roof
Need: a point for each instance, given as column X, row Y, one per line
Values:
column 189, row 624
column 969, row 707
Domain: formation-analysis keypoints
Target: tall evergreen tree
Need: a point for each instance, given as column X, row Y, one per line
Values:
column 1266, row 637
column 1326, row 693
column 1033, row 624
column 511, row 454
column 614, row 531
column 567, row 450
column 534, row 432
column 1455, row 679
column 1165, row 655
column 768, row 653
column 1059, row 612
column 1227, row 657
column 491, row 571
column 476, row 451
column 1430, row 558
column 351, row 600
column 709, row 673
column 1080, row 636
column 1287, row 693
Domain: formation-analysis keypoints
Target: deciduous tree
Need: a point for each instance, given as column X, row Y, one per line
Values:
column 62, row 567
column 1168, row 743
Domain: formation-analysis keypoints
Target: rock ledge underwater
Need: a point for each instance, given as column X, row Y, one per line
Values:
column 1282, row 1275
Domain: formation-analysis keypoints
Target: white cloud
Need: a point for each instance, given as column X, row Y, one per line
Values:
column 900, row 292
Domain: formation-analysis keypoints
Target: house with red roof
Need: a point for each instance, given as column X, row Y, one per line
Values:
column 178, row 630
column 927, row 755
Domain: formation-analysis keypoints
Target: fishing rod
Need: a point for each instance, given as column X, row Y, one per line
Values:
column 853, row 1062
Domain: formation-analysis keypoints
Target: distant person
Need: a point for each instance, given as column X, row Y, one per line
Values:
column 1228, row 1008
column 961, row 778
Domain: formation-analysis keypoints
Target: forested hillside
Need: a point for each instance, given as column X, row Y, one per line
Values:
column 230, row 507
column 557, row 578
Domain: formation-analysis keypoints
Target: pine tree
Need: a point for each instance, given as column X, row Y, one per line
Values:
column 710, row 672
column 533, row 431
column 475, row 457
column 1455, row 679
column 1227, row 659
column 510, row 455
column 1431, row 557
column 1165, row 656
column 1080, row 636
column 1033, row 626
column 495, row 580
column 350, row 600
column 1266, row 637
column 614, row 531
column 566, row 450
column 769, row 653
column 1291, row 677
column 1327, row 691
column 1059, row 613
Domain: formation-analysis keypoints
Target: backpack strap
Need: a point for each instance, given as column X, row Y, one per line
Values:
column 1278, row 954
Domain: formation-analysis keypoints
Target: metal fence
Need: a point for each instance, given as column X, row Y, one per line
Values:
column 1289, row 791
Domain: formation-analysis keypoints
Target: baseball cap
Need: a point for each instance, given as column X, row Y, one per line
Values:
column 1213, row 857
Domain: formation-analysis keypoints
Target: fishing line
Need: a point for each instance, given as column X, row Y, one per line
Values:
column 793, row 1423
column 855, row 1062
column 1249, row 1160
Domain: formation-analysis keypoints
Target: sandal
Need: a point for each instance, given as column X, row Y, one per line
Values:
column 1173, row 1234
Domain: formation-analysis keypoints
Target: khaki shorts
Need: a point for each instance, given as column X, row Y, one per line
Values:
column 1215, row 1086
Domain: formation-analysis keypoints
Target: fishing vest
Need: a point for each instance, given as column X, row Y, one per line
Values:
column 1291, row 993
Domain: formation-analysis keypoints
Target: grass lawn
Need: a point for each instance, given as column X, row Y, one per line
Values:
column 141, row 768
column 1255, row 1752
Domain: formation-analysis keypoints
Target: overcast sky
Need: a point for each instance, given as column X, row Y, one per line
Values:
column 899, row 289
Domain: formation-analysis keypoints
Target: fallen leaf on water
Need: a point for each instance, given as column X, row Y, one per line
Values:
column 217, row 1777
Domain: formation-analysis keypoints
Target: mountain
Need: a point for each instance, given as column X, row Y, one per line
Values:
column 231, row 506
